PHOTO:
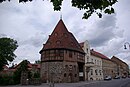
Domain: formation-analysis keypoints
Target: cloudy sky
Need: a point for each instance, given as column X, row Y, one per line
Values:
column 30, row 24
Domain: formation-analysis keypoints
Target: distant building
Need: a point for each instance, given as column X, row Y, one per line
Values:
column 62, row 58
column 34, row 68
column 122, row 67
column 93, row 64
column 109, row 68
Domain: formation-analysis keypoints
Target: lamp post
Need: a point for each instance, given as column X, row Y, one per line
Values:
column 125, row 45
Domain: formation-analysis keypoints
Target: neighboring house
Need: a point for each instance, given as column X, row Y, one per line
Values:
column 6, row 71
column 62, row 58
column 34, row 68
column 86, row 47
column 122, row 67
column 109, row 68
column 96, row 72
column 93, row 64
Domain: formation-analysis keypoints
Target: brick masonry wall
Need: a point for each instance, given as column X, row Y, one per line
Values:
column 59, row 72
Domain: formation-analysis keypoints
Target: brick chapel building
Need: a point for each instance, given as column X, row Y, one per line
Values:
column 62, row 58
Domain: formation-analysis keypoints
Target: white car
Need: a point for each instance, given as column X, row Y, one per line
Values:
column 108, row 78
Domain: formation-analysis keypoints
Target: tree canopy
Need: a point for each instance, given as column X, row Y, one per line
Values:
column 89, row 6
column 7, row 48
column 23, row 67
column 37, row 62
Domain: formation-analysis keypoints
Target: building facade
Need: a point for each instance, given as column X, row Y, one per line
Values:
column 96, row 72
column 122, row 67
column 62, row 58
column 93, row 64
column 109, row 67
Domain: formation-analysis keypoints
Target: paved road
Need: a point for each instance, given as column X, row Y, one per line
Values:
column 112, row 83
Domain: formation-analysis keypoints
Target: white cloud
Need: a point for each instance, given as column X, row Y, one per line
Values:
column 31, row 23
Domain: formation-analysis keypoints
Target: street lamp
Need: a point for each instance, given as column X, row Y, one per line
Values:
column 125, row 45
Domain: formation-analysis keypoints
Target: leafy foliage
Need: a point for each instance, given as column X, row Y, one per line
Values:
column 37, row 62
column 6, row 80
column 36, row 75
column 7, row 48
column 89, row 6
column 22, row 67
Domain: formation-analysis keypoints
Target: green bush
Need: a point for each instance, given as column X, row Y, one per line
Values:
column 36, row 75
column 6, row 80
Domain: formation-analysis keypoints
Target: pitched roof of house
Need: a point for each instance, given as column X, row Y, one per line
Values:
column 114, row 57
column 5, row 67
column 95, row 53
column 62, row 38
column 82, row 44
column 30, row 65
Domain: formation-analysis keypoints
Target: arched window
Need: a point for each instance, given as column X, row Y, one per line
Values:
column 65, row 75
column 91, row 71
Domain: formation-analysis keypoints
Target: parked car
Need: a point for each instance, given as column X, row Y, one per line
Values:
column 117, row 77
column 108, row 78
column 124, row 76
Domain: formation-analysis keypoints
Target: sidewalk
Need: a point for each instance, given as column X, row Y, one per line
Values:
column 68, row 84
column 74, row 84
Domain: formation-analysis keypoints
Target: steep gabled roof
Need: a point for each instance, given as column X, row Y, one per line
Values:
column 98, row 54
column 62, row 38
column 82, row 44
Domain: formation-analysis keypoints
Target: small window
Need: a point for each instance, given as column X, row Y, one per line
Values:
column 74, row 67
column 65, row 75
column 66, row 66
column 75, row 75
column 96, row 72
column 91, row 71
column 72, row 43
column 70, row 54
column 70, row 67
column 87, row 50
column 49, row 43
column 91, row 60
column 58, row 42
column 65, row 35
column 66, row 51
column 87, row 58
column 100, row 72
column 56, row 34
column 74, row 53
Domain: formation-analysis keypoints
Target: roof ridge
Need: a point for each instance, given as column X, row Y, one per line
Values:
column 62, row 38
column 98, row 54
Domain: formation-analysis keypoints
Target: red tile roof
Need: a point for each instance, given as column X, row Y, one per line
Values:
column 36, row 65
column 98, row 54
column 29, row 65
column 5, row 67
column 62, row 38
column 82, row 44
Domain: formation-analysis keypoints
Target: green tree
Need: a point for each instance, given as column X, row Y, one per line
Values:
column 23, row 66
column 37, row 62
column 89, row 6
column 7, row 48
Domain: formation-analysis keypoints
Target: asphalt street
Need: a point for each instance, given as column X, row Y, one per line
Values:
column 112, row 83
